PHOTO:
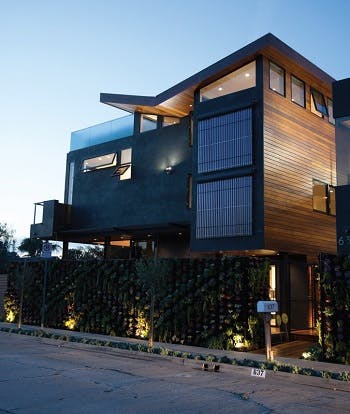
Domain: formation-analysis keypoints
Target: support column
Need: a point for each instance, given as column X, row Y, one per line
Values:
column 65, row 249
column 107, row 248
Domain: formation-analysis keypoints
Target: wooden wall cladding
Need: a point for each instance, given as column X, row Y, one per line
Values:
column 298, row 147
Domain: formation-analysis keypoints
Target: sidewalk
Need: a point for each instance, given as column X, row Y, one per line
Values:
column 301, row 363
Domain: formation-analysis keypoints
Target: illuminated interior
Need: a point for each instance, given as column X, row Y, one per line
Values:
column 102, row 161
column 240, row 79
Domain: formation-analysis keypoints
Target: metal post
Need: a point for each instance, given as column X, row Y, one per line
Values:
column 22, row 295
column 267, row 329
column 43, row 305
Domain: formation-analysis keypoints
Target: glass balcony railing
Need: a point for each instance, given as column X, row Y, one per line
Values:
column 107, row 131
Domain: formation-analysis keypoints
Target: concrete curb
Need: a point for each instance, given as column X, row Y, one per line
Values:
column 291, row 365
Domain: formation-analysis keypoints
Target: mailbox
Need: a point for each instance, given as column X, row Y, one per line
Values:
column 267, row 306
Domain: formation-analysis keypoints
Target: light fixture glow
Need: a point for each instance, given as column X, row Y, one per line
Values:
column 169, row 169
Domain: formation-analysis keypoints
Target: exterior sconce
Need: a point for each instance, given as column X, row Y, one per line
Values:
column 169, row 170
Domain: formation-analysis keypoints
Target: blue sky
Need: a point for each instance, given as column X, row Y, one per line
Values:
column 57, row 56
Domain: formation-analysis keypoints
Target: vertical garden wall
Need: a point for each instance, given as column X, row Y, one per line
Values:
column 205, row 302
column 335, row 307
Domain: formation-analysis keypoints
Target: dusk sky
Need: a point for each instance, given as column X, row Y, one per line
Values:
column 57, row 56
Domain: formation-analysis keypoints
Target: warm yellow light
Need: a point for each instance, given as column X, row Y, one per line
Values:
column 142, row 326
column 71, row 323
column 10, row 317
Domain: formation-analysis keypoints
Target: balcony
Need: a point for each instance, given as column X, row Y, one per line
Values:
column 107, row 131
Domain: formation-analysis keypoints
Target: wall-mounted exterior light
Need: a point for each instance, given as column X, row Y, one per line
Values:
column 169, row 169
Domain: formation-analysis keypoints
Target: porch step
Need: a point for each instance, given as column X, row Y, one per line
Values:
column 304, row 335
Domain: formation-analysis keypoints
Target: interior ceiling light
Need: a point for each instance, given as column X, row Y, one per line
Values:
column 247, row 75
column 220, row 89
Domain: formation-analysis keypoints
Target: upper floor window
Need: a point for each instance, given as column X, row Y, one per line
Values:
column 240, row 79
column 225, row 141
column 148, row 122
column 298, row 91
column 123, row 170
column 277, row 79
column 318, row 104
column 330, row 111
column 170, row 120
column 224, row 208
column 323, row 197
column 97, row 163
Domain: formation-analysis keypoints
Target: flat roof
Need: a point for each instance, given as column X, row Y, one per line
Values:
column 178, row 100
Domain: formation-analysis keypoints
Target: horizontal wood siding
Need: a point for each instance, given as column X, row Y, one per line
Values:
column 298, row 147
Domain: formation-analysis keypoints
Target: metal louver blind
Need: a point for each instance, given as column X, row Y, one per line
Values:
column 224, row 208
column 225, row 141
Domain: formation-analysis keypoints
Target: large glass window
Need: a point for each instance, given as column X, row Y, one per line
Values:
column 102, row 161
column 240, row 79
column 277, row 79
column 148, row 122
column 224, row 208
column 298, row 91
column 225, row 141
column 318, row 104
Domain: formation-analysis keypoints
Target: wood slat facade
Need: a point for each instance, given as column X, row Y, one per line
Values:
column 298, row 147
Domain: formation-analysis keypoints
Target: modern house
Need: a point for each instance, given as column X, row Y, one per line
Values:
column 238, row 159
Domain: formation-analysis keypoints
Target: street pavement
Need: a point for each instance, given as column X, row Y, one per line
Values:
column 40, row 375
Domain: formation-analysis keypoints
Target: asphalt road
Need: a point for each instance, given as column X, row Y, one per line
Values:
column 48, row 376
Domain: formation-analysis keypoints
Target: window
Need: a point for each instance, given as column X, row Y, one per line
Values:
column 330, row 111
column 148, row 122
column 170, row 120
column 298, row 91
column 224, row 208
column 277, row 81
column 323, row 197
column 102, row 161
column 70, row 183
column 331, row 200
column 240, row 79
column 125, row 161
column 318, row 104
column 225, row 141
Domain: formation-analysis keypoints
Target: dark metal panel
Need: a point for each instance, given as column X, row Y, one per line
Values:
column 341, row 98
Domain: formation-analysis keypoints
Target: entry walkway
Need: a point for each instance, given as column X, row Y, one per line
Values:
column 259, row 355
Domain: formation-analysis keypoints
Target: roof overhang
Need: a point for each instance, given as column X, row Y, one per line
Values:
column 178, row 100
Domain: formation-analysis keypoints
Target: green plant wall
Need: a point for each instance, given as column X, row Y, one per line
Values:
column 204, row 302
column 335, row 307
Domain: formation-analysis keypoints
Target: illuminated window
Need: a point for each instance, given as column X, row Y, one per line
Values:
column 125, row 161
column 318, row 104
column 330, row 111
column 277, row 79
column 240, row 79
column 331, row 200
column 123, row 170
column 97, row 163
column 298, row 91
column 148, row 122
column 272, row 282
column 170, row 120
column 323, row 197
